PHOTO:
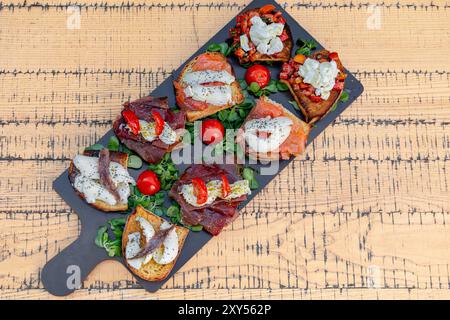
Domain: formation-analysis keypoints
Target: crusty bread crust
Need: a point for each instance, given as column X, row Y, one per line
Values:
column 314, row 111
column 151, row 271
column 236, row 89
column 119, row 157
column 282, row 56
column 270, row 156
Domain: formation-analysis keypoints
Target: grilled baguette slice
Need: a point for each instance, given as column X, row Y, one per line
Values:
column 314, row 111
column 282, row 56
column 151, row 271
column 192, row 115
column 119, row 157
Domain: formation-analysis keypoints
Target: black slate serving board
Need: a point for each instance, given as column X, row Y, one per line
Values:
column 81, row 257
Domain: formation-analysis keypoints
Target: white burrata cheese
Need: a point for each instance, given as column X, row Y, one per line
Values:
column 239, row 188
column 245, row 45
column 214, row 95
column 278, row 130
column 321, row 75
column 266, row 36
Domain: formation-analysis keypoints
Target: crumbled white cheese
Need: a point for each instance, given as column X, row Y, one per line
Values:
column 321, row 75
column 266, row 36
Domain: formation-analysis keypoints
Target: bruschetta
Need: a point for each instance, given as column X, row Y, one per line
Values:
column 261, row 35
column 209, row 195
column 316, row 82
column 149, row 127
column 271, row 132
column 207, row 85
column 101, row 179
column 151, row 245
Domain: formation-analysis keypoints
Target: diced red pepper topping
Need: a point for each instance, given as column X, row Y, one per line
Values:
column 132, row 120
column 333, row 56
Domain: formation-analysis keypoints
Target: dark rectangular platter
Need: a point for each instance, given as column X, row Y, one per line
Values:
column 72, row 265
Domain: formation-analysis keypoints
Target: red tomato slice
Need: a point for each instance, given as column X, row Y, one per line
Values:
column 226, row 189
column 213, row 131
column 132, row 120
column 200, row 190
column 148, row 183
column 159, row 122
column 259, row 74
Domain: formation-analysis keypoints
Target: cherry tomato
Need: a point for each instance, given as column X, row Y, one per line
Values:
column 259, row 74
column 159, row 122
column 148, row 183
column 132, row 120
column 226, row 189
column 200, row 190
column 213, row 131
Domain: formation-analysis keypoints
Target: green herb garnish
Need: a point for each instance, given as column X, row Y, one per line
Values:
column 274, row 86
column 166, row 171
column 249, row 175
column 113, row 246
column 95, row 147
column 113, row 144
column 222, row 47
column 306, row 46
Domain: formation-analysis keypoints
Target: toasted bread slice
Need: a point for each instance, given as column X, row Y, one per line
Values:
column 314, row 111
column 282, row 56
column 119, row 157
column 151, row 271
column 297, row 138
column 192, row 115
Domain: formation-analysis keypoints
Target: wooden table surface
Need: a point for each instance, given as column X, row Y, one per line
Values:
column 363, row 214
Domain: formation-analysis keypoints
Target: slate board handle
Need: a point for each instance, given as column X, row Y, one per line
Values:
column 66, row 271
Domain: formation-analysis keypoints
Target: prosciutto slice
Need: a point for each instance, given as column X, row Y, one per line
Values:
column 153, row 151
column 217, row 215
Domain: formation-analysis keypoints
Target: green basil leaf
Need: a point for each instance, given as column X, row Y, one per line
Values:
column 223, row 48
column 113, row 144
column 344, row 97
column 304, row 50
column 294, row 103
column 281, row 86
column 254, row 87
column 213, row 47
column 173, row 211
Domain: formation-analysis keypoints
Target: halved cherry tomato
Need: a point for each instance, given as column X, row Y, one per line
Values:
column 213, row 131
column 200, row 190
column 148, row 183
column 333, row 56
column 226, row 189
column 159, row 122
column 300, row 58
column 259, row 74
column 132, row 120
column 267, row 8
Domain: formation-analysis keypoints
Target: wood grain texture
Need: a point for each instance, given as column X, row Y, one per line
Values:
column 363, row 214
